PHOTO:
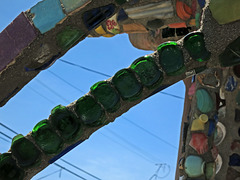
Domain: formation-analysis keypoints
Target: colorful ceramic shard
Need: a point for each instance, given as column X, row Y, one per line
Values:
column 66, row 123
column 94, row 17
column 46, row 138
column 194, row 166
column 198, row 123
column 225, row 12
column 127, row 84
column 204, row 101
column 147, row 71
column 199, row 142
column 181, row 163
column 171, row 58
column 235, row 146
column 25, row 152
column 46, row 14
column 71, row 5
column 18, row 35
column 231, row 84
column 106, row 95
column 219, row 163
column 212, row 126
column 234, row 160
column 112, row 25
column 231, row 55
column 210, row 170
column 219, row 134
column 89, row 111
column 195, row 45
column 8, row 168
column 68, row 37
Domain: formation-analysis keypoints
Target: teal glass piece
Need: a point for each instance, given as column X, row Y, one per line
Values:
column 46, row 138
column 65, row 122
column 71, row 5
column 46, row 14
column 195, row 45
column 89, row 111
column 9, row 169
column 204, row 101
column 171, row 58
column 120, row 2
column 147, row 71
column 194, row 166
column 231, row 55
column 68, row 37
column 106, row 95
column 127, row 85
column 25, row 151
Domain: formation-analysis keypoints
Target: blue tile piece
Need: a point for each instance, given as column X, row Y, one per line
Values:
column 47, row 14
column 71, row 5
column 234, row 160
column 231, row 84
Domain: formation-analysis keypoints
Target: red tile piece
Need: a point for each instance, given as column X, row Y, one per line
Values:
column 199, row 142
column 235, row 145
column 17, row 35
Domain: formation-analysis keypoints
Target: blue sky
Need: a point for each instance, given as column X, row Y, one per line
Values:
column 99, row 155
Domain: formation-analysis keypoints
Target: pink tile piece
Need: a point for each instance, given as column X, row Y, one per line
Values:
column 199, row 142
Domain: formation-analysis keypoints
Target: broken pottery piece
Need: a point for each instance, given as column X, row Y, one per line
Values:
column 220, row 133
column 218, row 162
column 210, row 170
column 204, row 101
column 234, row 160
column 199, row 142
column 194, row 166
column 231, row 84
column 235, row 145
column 199, row 123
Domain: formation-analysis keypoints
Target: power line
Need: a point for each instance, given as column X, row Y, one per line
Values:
column 5, row 139
column 80, row 169
column 46, row 98
column 132, row 145
column 49, row 174
column 53, row 91
column 108, row 76
column 53, row 163
column 85, row 68
column 69, row 171
column 135, row 152
column 76, row 88
column 148, row 132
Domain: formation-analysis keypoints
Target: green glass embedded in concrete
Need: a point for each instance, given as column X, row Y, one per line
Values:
column 106, row 95
column 171, row 58
column 210, row 170
column 147, row 71
column 127, row 84
column 204, row 101
column 120, row 2
column 225, row 11
column 195, row 45
column 71, row 5
column 194, row 166
column 24, row 151
column 65, row 122
column 9, row 169
column 231, row 55
column 89, row 111
column 68, row 37
column 46, row 138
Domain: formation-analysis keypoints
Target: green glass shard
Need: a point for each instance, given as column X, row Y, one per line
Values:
column 25, row 151
column 147, row 71
column 171, row 58
column 68, row 36
column 195, row 45
column 127, row 85
column 204, row 101
column 106, row 95
column 231, row 55
column 9, row 169
column 65, row 122
column 46, row 138
column 89, row 111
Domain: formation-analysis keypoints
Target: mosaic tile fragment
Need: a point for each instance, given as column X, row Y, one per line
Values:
column 199, row 142
column 234, row 160
column 204, row 101
column 231, row 84
column 71, row 5
column 46, row 14
column 194, row 166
